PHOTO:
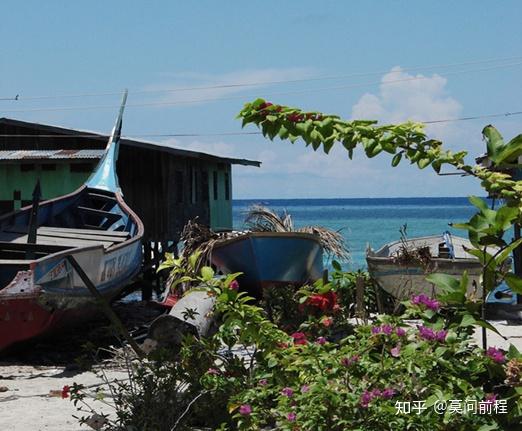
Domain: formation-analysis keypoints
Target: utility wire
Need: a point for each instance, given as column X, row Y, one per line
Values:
column 242, row 97
column 261, row 83
column 185, row 135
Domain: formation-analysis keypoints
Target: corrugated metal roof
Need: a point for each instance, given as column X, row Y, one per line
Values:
column 154, row 146
column 51, row 154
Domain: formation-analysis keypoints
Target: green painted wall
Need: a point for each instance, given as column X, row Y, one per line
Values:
column 53, row 182
column 220, row 207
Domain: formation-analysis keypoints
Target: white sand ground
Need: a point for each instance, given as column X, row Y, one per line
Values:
column 28, row 406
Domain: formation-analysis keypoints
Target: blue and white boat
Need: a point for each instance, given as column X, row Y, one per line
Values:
column 39, row 290
column 270, row 259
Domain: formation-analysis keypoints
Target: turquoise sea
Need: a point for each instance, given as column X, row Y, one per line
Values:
column 374, row 221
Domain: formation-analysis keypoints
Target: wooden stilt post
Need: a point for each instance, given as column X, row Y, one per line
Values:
column 146, row 290
column 359, row 298
column 157, row 261
column 105, row 306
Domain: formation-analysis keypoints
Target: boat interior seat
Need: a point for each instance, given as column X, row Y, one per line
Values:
column 66, row 237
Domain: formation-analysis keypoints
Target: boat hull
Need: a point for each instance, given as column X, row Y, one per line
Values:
column 404, row 281
column 51, row 295
column 268, row 259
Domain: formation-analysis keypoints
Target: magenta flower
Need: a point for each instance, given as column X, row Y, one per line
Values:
column 213, row 371
column 321, row 341
column 366, row 398
column 245, row 410
column 396, row 351
column 490, row 398
column 263, row 382
column 305, row 389
column 426, row 333
column 234, row 285
column 350, row 361
column 428, row 302
column 287, row 392
column 388, row 393
column 496, row 355
column 387, row 329
column 376, row 329
column 441, row 335
column 400, row 332
column 291, row 416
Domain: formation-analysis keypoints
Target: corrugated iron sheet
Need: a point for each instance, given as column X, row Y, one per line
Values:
column 51, row 154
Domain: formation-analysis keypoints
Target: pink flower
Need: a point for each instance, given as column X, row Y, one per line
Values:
column 234, row 285
column 245, row 410
column 321, row 341
column 287, row 392
column 212, row 371
column 396, row 351
column 299, row 338
column 496, row 355
column 263, row 382
column 376, row 329
column 327, row 321
column 400, row 332
column 305, row 389
column 291, row 416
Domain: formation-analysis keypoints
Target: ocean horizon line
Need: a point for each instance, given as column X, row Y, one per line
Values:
column 353, row 198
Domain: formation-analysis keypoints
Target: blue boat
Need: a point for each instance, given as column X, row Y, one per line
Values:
column 268, row 259
column 39, row 289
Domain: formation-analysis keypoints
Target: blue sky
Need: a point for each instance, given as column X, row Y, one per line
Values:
column 62, row 47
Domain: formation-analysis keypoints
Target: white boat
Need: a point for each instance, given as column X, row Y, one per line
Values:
column 401, row 267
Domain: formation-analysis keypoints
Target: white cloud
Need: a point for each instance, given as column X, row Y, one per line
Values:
column 409, row 98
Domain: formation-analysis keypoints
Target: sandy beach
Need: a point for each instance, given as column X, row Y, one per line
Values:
column 32, row 399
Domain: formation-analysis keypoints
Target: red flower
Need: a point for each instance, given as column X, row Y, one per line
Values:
column 65, row 391
column 324, row 301
column 299, row 338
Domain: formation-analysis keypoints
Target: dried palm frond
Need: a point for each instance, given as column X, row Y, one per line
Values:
column 200, row 238
column 263, row 219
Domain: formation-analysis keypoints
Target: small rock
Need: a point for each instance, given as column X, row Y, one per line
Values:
column 4, row 388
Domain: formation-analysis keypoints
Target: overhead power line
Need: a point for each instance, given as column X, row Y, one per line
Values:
column 260, row 83
column 241, row 133
column 236, row 97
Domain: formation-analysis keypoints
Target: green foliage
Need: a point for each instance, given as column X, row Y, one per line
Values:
column 406, row 141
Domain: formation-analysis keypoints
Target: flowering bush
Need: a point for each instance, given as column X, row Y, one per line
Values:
column 252, row 375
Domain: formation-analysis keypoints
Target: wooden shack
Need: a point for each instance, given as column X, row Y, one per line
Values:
column 166, row 186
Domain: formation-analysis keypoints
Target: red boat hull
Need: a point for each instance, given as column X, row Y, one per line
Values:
column 24, row 318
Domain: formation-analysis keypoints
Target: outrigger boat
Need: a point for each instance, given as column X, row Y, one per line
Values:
column 402, row 277
column 40, row 291
column 268, row 259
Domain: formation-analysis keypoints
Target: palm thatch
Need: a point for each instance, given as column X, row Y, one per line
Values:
column 263, row 219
